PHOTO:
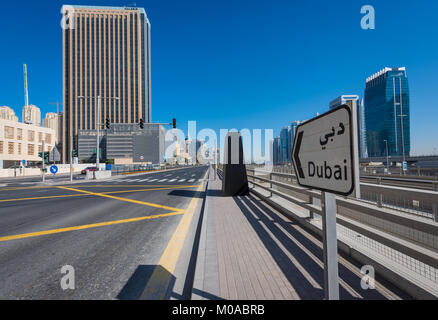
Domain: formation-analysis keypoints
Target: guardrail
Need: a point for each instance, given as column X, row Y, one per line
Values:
column 393, row 239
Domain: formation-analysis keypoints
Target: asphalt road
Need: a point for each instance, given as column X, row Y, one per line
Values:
column 112, row 255
column 34, row 180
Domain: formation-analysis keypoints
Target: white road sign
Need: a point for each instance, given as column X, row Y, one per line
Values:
column 323, row 152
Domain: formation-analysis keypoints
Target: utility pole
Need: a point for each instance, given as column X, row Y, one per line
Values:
column 387, row 155
column 44, row 163
column 97, row 135
column 71, row 158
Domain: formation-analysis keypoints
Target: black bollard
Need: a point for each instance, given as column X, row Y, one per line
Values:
column 235, row 180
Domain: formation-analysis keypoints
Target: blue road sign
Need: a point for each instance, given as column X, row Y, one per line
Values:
column 23, row 162
column 54, row 169
column 405, row 166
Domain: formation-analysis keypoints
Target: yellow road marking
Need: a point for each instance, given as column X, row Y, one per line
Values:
column 134, row 186
column 88, row 226
column 41, row 198
column 159, row 281
column 99, row 186
column 124, row 199
column 86, row 195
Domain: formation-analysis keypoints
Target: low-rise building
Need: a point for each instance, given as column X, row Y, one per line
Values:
column 125, row 144
column 20, row 141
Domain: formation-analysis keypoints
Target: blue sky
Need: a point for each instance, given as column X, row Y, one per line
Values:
column 245, row 64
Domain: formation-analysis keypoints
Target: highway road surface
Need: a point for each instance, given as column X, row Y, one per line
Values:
column 113, row 234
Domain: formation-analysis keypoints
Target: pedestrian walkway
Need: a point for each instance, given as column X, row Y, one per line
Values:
column 249, row 251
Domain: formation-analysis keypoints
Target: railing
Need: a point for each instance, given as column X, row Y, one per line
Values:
column 404, row 237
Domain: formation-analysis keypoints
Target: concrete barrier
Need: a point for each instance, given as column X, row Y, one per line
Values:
column 99, row 175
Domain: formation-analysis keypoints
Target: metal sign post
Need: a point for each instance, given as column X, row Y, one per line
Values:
column 331, row 273
column 324, row 157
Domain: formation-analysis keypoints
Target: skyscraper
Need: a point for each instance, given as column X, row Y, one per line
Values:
column 361, row 132
column 276, row 150
column 106, row 54
column 387, row 113
column 285, row 156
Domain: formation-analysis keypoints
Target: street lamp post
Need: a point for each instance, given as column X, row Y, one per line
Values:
column 403, row 139
column 98, row 126
column 387, row 156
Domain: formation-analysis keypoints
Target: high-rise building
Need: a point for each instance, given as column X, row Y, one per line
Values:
column 106, row 54
column 52, row 121
column 361, row 132
column 387, row 113
column 276, row 150
column 32, row 115
column 7, row 113
column 285, row 156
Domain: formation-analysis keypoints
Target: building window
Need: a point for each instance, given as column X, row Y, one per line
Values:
column 19, row 148
column 19, row 134
column 40, row 136
column 40, row 148
column 31, row 136
column 10, row 148
column 48, row 138
column 9, row 132
column 1, row 146
column 30, row 149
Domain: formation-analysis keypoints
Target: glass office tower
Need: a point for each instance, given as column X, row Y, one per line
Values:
column 285, row 157
column 387, row 113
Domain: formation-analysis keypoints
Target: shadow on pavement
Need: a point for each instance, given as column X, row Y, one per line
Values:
column 136, row 285
column 259, row 214
column 187, row 193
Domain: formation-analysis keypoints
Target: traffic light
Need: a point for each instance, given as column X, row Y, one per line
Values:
column 74, row 153
column 141, row 124
column 174, row 123
column 107, row 123
column 40, row 155
column 46, row 157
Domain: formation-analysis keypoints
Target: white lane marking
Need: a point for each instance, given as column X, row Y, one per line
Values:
column 182, row 180
column 191, row 180
column 144, row 180
column 173, row 180
column 164, row 180
column 153, row 180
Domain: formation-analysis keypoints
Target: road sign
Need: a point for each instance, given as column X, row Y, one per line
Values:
column 54, row 169
column 141, row 158
column 405, row 166
column 323, row 152
column 23, row 162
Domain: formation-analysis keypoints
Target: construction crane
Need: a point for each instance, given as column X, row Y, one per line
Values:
column 28, row 114
column 57, row 106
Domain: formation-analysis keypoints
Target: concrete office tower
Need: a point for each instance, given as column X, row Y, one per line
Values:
column 52, row 121
column 32, row 115
column 106, row 53
column 7, row 113
column 387, row 113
